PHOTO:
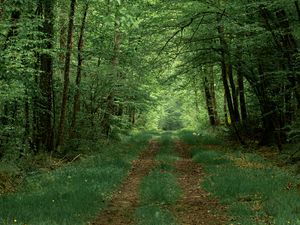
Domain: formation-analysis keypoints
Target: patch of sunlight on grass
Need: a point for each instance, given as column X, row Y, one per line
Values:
column 159, row 188
column 154, row 215
column 75, row 193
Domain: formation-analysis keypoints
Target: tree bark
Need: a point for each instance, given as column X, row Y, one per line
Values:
column 234, row 95
column 76, row 104
column 225, row 110
column 60, row 138
column 209, row 102
column 241, row 89
column 43, row 105
column 297, row 9
column 213, row 93
column 224, row 68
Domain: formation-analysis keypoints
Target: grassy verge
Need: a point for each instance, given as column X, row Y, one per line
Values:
column 72, row 194
column 159, row 189
column 255, row 191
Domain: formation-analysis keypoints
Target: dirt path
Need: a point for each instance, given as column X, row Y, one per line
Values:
column 121, row 208
column 195, row 207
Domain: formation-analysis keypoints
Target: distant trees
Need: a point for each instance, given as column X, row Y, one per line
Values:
column 255, row 47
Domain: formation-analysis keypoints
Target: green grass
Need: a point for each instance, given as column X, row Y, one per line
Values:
column 154, row 215
column 166, row 155
column 209, row 157
column 202, row 137
column 159, row 187
column 72, row 194
column 252, row 187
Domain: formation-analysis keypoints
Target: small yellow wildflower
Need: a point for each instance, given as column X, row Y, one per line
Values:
column 15, row 220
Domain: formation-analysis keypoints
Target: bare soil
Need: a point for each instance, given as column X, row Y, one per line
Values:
column 121, row 208
column 196, row 206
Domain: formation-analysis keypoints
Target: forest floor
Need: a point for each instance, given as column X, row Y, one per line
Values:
column 194, row 207
column 125, row 200
column 175, row 178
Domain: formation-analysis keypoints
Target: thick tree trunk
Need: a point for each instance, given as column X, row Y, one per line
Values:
column 60, row 138
column 43, row 125
column 76, row 104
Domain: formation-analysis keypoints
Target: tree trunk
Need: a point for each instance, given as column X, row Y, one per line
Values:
column 271, row 121
column 297, row 9
column 196, row 96
column 60, row 138
column 234, row 95
column 209, row 102
column 225, row 111
column 213, row 93
column 76, row 106
column 224, row 67
column 45, row 134
column 240, row 78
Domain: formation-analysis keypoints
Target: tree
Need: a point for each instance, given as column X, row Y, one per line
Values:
column 61, row 127
column 45, row 125
column 76, row 104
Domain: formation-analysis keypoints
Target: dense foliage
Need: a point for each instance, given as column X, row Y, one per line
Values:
column 72, row 71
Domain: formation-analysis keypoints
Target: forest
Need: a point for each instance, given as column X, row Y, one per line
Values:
column 149, row 112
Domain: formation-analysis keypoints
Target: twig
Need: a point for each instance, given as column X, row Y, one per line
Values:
column 75, row 158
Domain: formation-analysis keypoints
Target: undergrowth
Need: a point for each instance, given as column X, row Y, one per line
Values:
column 74, row 193
column 255, row 190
